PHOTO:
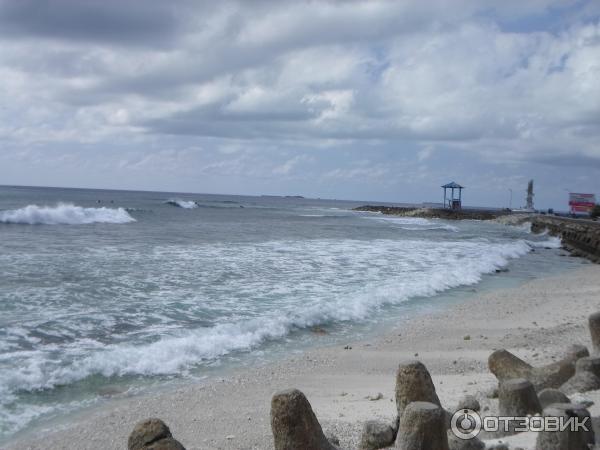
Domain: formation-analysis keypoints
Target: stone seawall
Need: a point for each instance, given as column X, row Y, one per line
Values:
column 580, row 237
column 433, row 213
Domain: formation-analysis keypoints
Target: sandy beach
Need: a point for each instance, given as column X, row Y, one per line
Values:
column 537, row 321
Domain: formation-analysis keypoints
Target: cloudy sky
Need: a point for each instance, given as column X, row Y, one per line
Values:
column 381, row 100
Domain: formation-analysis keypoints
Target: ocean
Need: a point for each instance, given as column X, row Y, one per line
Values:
column 108, row 294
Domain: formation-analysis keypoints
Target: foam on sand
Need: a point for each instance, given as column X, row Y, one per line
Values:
column 64, row 214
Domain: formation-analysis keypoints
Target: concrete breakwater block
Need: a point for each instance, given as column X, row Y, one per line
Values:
column 294, row 424
column 567, row 439
column 588, row 364
column 594, row 325
column 586, row 378
column 455, row 443
column 422, row 427
column 505, row 365
column 549, row 396
column 414, row 384
column 517, row 397
column 152, row 434
column 469, row 402
column 377, row 435
column 581, row 382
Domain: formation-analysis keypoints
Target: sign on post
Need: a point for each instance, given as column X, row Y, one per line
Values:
column 581, row 203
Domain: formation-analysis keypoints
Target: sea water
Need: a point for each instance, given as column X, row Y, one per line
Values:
column 113, row 292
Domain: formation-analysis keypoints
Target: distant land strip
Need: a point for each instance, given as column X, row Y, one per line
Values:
column 434, row 213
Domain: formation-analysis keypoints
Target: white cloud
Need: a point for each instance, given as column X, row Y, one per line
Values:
column 404, row 76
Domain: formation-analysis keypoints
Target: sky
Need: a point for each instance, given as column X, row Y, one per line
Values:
column 366, row 100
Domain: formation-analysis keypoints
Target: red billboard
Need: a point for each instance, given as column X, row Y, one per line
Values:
column 581, row 203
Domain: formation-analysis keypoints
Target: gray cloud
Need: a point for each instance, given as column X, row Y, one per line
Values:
column 268, row 89
column 133, row 22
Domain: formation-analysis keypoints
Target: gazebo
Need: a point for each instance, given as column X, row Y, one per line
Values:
column 453, row 202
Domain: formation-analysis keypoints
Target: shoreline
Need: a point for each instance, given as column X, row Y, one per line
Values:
column 233, row 412
column 580, row 236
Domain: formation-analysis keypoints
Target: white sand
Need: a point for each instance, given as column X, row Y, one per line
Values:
column 537, row 321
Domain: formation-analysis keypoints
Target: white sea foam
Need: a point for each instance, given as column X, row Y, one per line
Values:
column 425, row 268
column 415, row 223
column 551, row 242
column 64, row 214
column 525, row 227
column 186, row 204
column 110, row 305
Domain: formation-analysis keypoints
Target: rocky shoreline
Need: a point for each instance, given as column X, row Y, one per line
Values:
column 433, row 213
column 423, row 423
column 580, row 237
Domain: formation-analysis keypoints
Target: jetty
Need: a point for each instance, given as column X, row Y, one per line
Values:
column 434, row 213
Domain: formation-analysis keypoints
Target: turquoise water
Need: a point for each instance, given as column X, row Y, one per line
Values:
column 111, row 292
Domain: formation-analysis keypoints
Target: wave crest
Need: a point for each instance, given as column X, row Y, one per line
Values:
column 186, row 204
column 446, row 265
column 64, row 214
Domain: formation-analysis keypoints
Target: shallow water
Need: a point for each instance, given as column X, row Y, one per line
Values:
column 107, row 291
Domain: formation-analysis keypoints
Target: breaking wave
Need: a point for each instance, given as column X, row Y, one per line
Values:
column 442, row 266
column 415, row 223
column 186, row 204
column 551, row 242
column 64, row 214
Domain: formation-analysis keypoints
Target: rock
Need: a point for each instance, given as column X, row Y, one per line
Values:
column 422, row 427
column 517, row 397
column 579, row 237
column 165, row 444
column 594, row 324
column 581, row 400
column 374, row 398
column 588, row 364
column 492, row 393
column 469, row 402
column 333, row 439
column 581, row 382
column 294, row 424
column 504, row 365
column 455, row 443
column 147, row 432
column 376, row 435
column 567, row 439
column 414, row 384
column 549, row 396
column 577, row 351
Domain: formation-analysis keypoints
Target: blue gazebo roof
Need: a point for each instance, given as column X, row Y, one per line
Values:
column 452, row 185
